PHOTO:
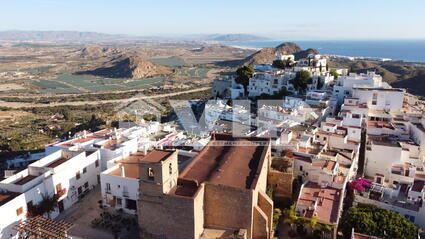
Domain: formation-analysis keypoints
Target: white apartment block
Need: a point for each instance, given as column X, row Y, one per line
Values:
column 344, row 84
column 112, row 143
column 268, row 83
column 66, row 174
column 219, row 110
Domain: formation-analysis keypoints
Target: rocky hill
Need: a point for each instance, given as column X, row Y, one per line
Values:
column 223, row 50
column 267, row 55
column 98, row 51
column 399, row 74
column 132, row 67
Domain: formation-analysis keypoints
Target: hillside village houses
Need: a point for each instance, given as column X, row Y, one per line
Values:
column 183, row 185
column 71, row 168
column 325, row 152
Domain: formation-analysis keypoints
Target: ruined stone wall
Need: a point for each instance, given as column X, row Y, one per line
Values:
column 281, row 184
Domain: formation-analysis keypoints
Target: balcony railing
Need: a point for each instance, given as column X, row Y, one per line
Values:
column 125, row 194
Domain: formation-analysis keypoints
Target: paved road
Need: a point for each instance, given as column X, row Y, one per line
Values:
column 17, row 105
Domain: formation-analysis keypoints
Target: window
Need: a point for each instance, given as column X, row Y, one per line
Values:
column 108, row 187
column 151, row 174
column 374, row 98
column 77, row 175
column 96, row 163
column 131, row 204
column 170, row 168
column 119, row 202
column 118, row 186
column 85, row 170
column 86, row 184
column 301, row 168
column 19, row 211
column 324, row 138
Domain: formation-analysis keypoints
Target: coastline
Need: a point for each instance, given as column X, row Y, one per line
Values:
column 403, row 50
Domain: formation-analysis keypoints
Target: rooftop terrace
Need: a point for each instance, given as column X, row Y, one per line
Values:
column 7, row 197
column 324, row 201
column 25, row 180
column 231, row 165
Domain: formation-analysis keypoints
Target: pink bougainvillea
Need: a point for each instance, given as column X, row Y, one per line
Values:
column 359, row 185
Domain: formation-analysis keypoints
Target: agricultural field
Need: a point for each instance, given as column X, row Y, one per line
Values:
column 68, row 83
column 194, row 72
column 169, row 61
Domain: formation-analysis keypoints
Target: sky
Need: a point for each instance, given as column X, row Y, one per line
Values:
column 280, row 19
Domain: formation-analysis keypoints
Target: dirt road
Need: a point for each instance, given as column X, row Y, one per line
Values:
column 17, row 105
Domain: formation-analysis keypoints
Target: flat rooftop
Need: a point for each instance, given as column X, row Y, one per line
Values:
column 25, row 180
column 130, row 164
column 225, row 164
column 156, row 156
column 58, row 162
column 7, row 197
column 325, row 202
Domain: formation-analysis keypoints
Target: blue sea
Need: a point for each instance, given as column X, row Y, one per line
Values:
column 405, row 50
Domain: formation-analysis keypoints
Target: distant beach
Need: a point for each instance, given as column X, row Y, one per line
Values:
column 404, row 50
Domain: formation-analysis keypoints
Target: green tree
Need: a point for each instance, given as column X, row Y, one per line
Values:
column 291, row 217
column 334, row 74
column 280, row 64
column 47, row 205
column 243, row 74
column 313, row 222
column 68, row 115
column 302, row 79
column 277, row 213
column 375, row 221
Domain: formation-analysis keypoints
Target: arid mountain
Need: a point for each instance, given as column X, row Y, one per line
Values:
column 236, row 37
column 98, row 51
column 399, row 74
column 223, row 50
column 67, row 36
column 132, row 67
column 267, row 55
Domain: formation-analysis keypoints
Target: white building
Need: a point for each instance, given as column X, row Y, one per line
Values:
column 219, row 110
column 66, row 174
column 345, row 84
column 389, row 100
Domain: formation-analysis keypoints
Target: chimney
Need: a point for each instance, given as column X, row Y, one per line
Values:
column 122, row 171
